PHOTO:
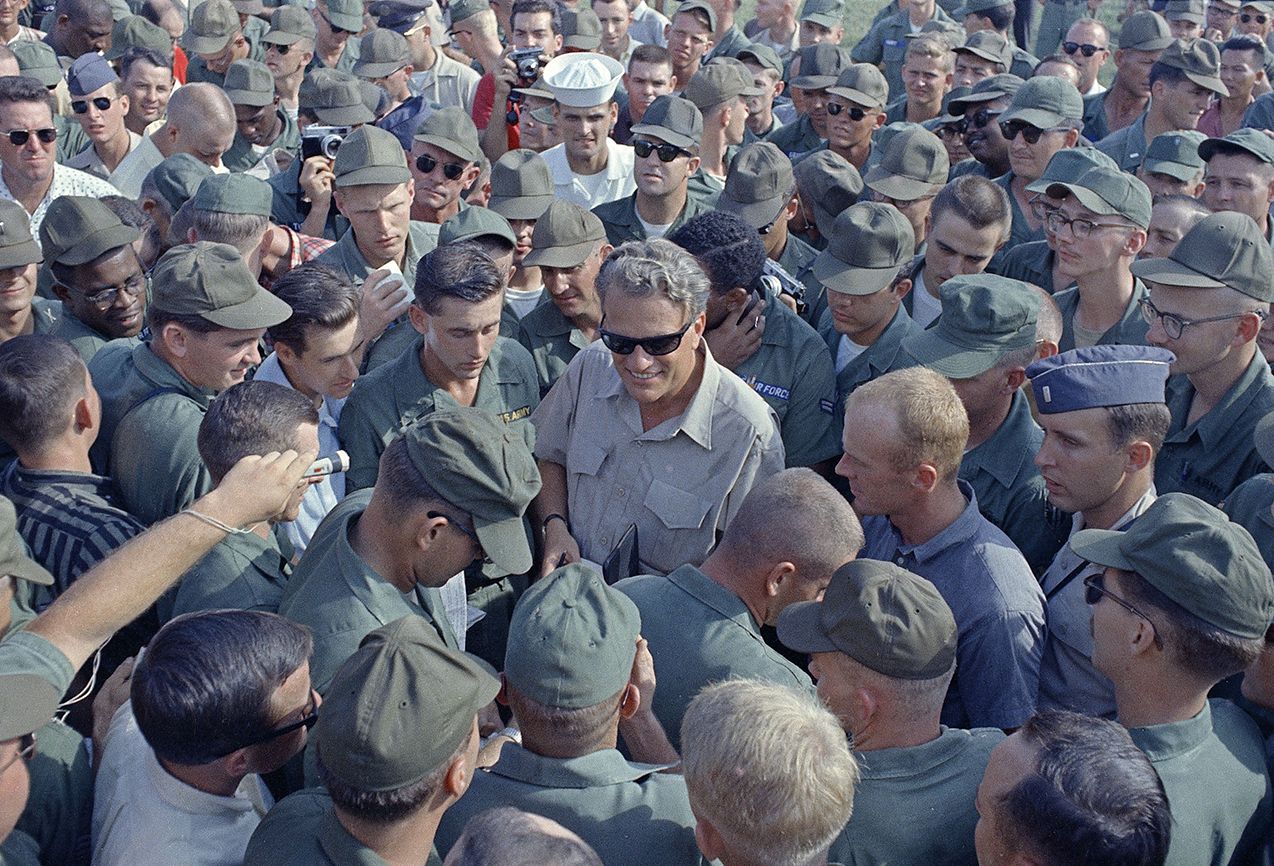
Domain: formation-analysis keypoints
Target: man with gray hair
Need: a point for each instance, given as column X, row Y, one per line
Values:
column 645, row 429
column 760, row 798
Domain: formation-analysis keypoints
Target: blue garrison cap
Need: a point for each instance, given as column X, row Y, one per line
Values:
column 89, row 72
column 1099, row 376
column 399, row 15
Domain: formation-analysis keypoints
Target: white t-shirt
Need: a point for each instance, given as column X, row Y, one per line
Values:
column 653, row 230
column 924, row 306
column 846, row 351
column 523, row 301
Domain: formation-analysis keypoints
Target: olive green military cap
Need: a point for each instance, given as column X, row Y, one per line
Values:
column 829, row 184
column 759, row 185
column 763, row 56
column 346, row 14
column 1193, row 554
column 177, row 178
column 211, row 281
column 987, row 90
column 1184, row 10
column 27, row 703
column 521, row 185
column 827, row 13
column 880, row 615
column 1265, row 6
column 1045, row 102
column 451, row 128
column 821, row 65
column 720, row 81
column 969, row 7
column 381, row 52
column 867, row 246
column 1176, row 154
column 250, row 83
column 702, row 7
column 1145, row 31
column 949, row 33
column 400, row 707
column 233, row 193
column 248, row 7
column 473, row 223
column 544, row 115
column 1249, row 141
column 572, row 640
column 485, row 468
column 289, row 24
column 948, row 116
column 914, row 165
column 77, row 229
column 862, row 84
column 334, row 97
column 213, row 23
column 370, row 155
column 37, row 60
column 17, row 247
column 15, row 562
column 462, row 10
column 134, row 31
column 989, row 45
column 984, row 316
column 564, row 237
column 1225, row 249
column 672, row 119
column 1199, row 60
column 581, row 29
column 1109, row 192
column 1069, row 164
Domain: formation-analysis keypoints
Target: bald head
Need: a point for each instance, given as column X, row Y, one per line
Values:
column 200, row 122
column 511, row 837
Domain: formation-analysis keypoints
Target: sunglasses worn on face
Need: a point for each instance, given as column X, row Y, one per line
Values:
column 980, row 118
column 664, row 344
column 19, row 137
column 336, row 30
column 308, row 720
column 1095, row 589
column 1087, row 49
column 450, row 170
column 281, row 49
column 855, row 113
column 101, row 103
column 667, row 152
column 1012, row 128
column 1248, row 18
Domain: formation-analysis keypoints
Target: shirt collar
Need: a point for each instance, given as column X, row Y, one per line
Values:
column 997, row 455
column 910, row 762
column 272, row 371
column 341, row 847
column 963, row 529
column 1215, row 427
column 715, row 596
column 597, row 769
column 1162, row 742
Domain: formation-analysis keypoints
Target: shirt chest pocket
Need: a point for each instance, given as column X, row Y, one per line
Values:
column 585, row 459
column 894, row 51
column 676, row 508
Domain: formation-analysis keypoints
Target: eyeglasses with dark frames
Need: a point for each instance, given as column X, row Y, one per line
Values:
column 1081, row 227
column 309, row 717
column 281, row 50
column 457, row 525
column 855, row 113
column 336, row 30
column 134, row 286
column 1095, row 589
column 664, row 344
column 1087, row 49
column 1248, row 18
column 26, row 751
column 1011, row 129
column 1174, row 325
column 980, row 118
column 667, row 152
column 101, row 103
column 19, row 137
column 450, row 170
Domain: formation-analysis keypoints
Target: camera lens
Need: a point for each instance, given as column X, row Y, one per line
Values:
column 331, row 144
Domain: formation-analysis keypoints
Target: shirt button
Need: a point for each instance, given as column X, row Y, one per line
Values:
column 900, row 560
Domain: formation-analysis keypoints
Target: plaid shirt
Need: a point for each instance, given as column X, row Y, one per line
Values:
column 301, row 249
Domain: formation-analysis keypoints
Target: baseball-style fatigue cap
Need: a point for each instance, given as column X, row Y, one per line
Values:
column 914, row 165
column 248, row 7
column 177, row 178
column 971, row 6
column 1193, row 554
column 370, row 155
column 1260, row 5
column 951, row 33
column 521, row 185
column 1097, row 376
column 17, row 247
column 1232, row 4
column 763, row 56
column 1045, row 102
column 828, row 13
column 759, row 185
column 88, row 73
column 346, row 14
column 334, row 98
column 672, row 119
column 880, row 615
column 77, row 229
column 27, row 703
column 701, row 6
column 249, row 82
column 289, row 24
column 233, row 192
column 461, row 10
column 134, row 31
column 581, row 29
column 989, row 45
column 399, row 707
column 1225, row 249
column 1200, row 60
column 821, row 65
column 485, row 468
column 37, row 60
column 868, row 245
column 211, row 281
column 15, row 562
column 1254, row 142
column 1175, row 154
column 564, row 236
column 381, row 52
column 948, row 116
column 983, row 317
column 572, row 640
column 829, row 184
column 1109, row 192
column 582, row 79
column 473, row 223
column 986, row 90
column 213, row 23
column 1070, row 164
column 1145, row 31
column 401, row 16
column 544, row 115
column 451, row 128
column 862, row 84
column 718, row 82
column 1184, row 10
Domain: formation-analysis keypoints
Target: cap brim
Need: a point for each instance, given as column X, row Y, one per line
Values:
column 262, row 310
column 451, row 146
column 377, row 70
column 898, row 187
column 848, row 279
column 27, row 569
column 1170, row 272
column 757, row 214
column 1036, row 117
column 664, row 134
column 1149, row 45
column 251, row 98
column 567, row 256
column 505, row 544
column 979, row 52
column 345, row 22
column 280, row 37
column 1084, row 195
column 814, row 82
column 856, row 96
column 828, row 21
column 100, row 241
column 1101, row 547
column 27, row 703
column 46, row 75
column 954, row 362
column 374, row 174
column 1211, row 82
column 19, row 255
column 800, row 629
column 962, row 104
column 344, row 115
column 205, row 44
column 522, row 207
column 1176, row 170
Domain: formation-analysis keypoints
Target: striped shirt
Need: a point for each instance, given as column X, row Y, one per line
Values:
column 70, row 520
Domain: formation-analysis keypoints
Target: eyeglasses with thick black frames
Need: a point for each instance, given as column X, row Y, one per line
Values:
column 1174, row 325
column 1248, row 18
column 1095, row 588
column 101, row 103
column 450, row 170
column 664, row 344
column 19, row 137
column 1087, row 49
column 667, row 152
column 309, row 717
column 855, row 113
column 980, row 118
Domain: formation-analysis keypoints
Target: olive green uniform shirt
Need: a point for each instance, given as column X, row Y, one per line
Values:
column 1020, row 232
column 885, row 45
column 241, row 157
column 621, row 222
column 1095, row 126
column 253, row 29
column 552, row 341
column 60, row 805
column 699, row 633
column 881, row 357
column 342, row 599
column 1250, row 506
column 630, row 813
column 84, row 339
column 150, row 425
column 398, row 393
column 797, row 259
column 1130, row 330
column 1031, row 263
column 1215, row 454
column 796, row 139
column 1127, row 146
column 1213, row 771
column 243, row 572
column 914, row 806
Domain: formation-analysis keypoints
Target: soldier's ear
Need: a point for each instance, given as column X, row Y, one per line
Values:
column 708, row 840
column 502, row 696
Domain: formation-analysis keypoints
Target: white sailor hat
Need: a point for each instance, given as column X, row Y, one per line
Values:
column 582, row 79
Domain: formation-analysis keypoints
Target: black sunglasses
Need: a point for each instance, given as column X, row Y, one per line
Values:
column 1086, row 49
column 667, row 152
column 664, row 344
column 1012, row 128
column 1095, row 589
column 281, row 49
column 101, row 103
column 336, row 30
column 855, row 113
column 450, row 170
column 980, row 118
column 309, row 720
column 1248, row 18
column 19, row 137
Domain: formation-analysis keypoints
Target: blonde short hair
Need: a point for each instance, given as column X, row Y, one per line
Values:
column 933, row 426
column 770, row 768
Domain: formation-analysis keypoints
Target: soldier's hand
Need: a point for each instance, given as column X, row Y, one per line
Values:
column 316, row 181
column 256, row 488
column 384, row 298
column 506, row 77
column 560, row 547
column 643, row 675
column 738, row 337
column 789, row 302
